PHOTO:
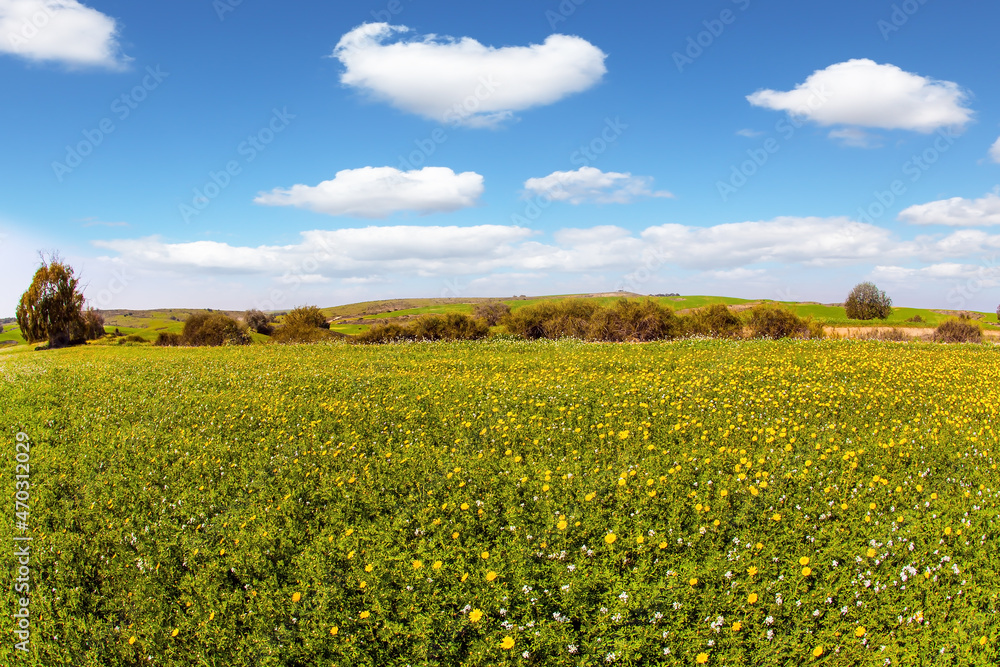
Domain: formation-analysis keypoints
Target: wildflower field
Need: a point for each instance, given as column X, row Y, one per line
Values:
column 504, row 502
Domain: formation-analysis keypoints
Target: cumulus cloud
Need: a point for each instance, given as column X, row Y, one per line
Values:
column 955, row 212
column 376, row 192
column 995, row 151
column 428, row 251
column 63, row 31
column 591, row 185
column 461, row 81
column 864, row 93
column 949, row 272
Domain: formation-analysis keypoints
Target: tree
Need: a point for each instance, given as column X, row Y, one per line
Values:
column 52, row 307
column 93, row 324
column 867, row 302
column 305, row 324
column 259, row 321
column 214, row 329
column 307, row 316
column 491, row 312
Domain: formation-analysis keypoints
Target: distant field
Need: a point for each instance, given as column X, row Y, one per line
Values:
column 750, row 503
column 355, row 318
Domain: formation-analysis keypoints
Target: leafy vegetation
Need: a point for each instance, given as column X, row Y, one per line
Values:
column 511, row 502
column 867, row 302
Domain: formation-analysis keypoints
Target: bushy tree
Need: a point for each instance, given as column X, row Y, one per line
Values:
column 310, row 316
column 491, row 312
column 772, row 321
column 716, row 321
column 93, row 324
column 304, row 324
column 259, row 321
column 962, row 330
column 52, row 307
column 214, row 329
column 867, row 302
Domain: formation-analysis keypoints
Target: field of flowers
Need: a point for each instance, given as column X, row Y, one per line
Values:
column 502, row 502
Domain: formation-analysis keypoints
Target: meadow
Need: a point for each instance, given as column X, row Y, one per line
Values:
column 506, row 502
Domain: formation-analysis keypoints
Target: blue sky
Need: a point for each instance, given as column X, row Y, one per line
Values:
column 254, row 154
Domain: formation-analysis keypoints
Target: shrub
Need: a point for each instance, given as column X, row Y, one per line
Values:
column 259, row 321
column 715, row 320
column 772, row 321
column 492, row 312
column 132, row 338
column 384, row 333
column 93, row 324
column 214, row 329
column 640, row 321
column 168, row 339
column 867, row 302
column 915, row 318
column 300, row 332
column 958, row 331
column 453, row 326
column 310, row 316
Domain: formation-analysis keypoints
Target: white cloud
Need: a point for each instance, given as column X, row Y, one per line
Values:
column 856, row 138
column 461, row 81
column 982, row 276
column 995, row 151
column 484, row 248
column 591, row 185
column 63, row 31
column 750, row 134
column 864, row 93
column 376, row 192
column 955, row 212
column 820, row 256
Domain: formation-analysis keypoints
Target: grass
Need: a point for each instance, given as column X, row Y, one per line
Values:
column 467, row 504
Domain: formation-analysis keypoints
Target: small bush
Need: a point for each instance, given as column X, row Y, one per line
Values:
column 453, row 326
column 214, row 329
column 93, row 324
column 716, row 321
column 958, row 331
column 915, row 318
column 384, row 333
column 259, row 321
column 586, row 319
column 306, row 316
column 772, row 321
column 300, row 332
column 867, row 302
column 168, row 339
column 491, row 312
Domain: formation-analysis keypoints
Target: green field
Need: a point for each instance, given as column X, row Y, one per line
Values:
column 503, row 502
column 356, row 318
